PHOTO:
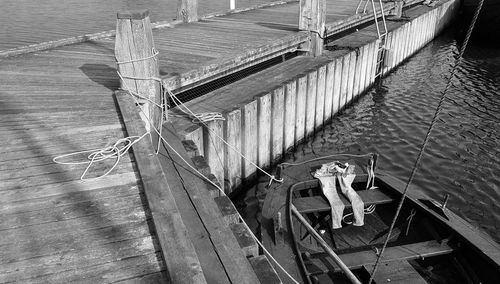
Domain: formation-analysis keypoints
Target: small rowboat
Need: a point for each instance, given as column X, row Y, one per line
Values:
column 429, row 243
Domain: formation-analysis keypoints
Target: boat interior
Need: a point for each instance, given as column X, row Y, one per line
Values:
column 421, row 248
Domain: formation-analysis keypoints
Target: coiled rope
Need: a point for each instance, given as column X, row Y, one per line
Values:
column 426, row 139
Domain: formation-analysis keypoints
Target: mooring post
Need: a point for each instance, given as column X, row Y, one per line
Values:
column 138, row 65
column 187, row 10
column 398, row 9
column 312, row 16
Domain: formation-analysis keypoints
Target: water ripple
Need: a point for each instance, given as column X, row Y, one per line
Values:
column 462, row 157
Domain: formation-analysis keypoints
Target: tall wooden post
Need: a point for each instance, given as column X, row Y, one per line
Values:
column 138, row 64
column 187, row 10
column 312, row 17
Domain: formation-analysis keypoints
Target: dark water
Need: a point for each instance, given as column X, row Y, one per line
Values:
column 25, row 22
column 463, row 155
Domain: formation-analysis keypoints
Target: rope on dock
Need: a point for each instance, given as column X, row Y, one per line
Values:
column 116, row 151
column 427, row 136
column 268, row 254
column 187, row 111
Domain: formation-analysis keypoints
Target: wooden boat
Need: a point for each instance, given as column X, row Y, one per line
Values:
column 429, row 243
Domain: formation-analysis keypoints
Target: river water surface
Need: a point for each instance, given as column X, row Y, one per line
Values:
column 462, row 157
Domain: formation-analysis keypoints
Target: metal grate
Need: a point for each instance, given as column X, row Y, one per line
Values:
column 211, row 86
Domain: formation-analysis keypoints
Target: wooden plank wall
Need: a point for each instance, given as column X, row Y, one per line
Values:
column 273, row 123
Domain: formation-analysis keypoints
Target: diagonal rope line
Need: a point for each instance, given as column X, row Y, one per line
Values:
column 427, row 136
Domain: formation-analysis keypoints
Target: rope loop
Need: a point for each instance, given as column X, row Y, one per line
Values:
column 154, row 54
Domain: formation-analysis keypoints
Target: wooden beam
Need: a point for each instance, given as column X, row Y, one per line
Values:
column 137, row 63
column 178, row 251
column 320, row 204
column 396, row 272
column 312, row 17
column 187, row 10
column 236, row 265
column 320, row 264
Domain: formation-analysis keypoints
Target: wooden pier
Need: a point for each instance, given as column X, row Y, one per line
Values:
column 152, row 219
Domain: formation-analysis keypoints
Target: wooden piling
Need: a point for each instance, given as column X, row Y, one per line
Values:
column 312, row 16
column 233, row 138
column 312, row 80
column 330, row 72
column 290, row 111
column 187, row 10
column 357, row 72
column 278, row 111
column 364, row 65
column 138, row 65
column 337, row 83
column 344, row 88
column 214, row 149
column 320, row 97
column 249, row 142
column 300, row 118
column 352, row 73
column 373, row 62
column 264, row 133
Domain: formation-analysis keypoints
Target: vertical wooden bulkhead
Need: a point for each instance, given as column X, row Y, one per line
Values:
column 265, row 128
column 187, row 10
column 138, row 65
column 233, row 136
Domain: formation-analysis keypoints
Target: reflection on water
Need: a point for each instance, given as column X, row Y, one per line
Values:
column 32, row 21
column 463, row 155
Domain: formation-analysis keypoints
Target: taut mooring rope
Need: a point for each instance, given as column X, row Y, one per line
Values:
column 426, row 139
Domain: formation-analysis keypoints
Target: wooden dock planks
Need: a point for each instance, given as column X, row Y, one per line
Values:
column 56, row 228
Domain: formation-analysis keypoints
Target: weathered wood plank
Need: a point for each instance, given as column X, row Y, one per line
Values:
column 396, row 272
column 301, row 109
column 264, row 130
column 249, row 128
column 182, row 261
column 344, row 89
column 233, row 158
column 214, row 148
column 330, row 72
column 337, row 83
column 397, row 253
column 290, row 113
column 320, row 97
column 312, row 83
column 231, row 256
column 278, row 115
column 320, row 204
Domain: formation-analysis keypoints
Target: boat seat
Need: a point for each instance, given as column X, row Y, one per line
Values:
column 319, row 203
column 320, row 263
column 396, row 272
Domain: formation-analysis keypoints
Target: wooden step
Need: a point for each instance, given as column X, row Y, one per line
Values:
column 227, row 209
column 320, row 203
column 245, row 239
column 320, row 263
column 396, row 272
column 264, row 270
